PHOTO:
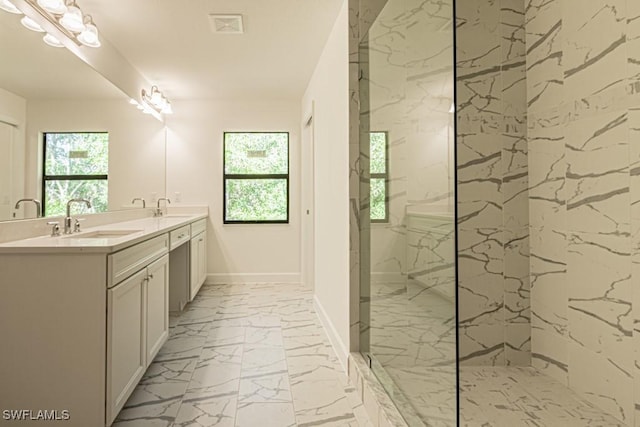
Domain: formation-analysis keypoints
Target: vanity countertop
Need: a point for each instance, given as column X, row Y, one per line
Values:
column 99, row 239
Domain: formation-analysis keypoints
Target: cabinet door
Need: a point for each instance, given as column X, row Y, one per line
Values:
column 198, row 264
column 125, row 341
column 157, row 306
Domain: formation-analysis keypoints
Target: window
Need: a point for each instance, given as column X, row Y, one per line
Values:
column 379, row 170
column 256, row 177
column 75, row 166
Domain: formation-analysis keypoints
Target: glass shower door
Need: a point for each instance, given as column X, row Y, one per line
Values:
column 408, row 277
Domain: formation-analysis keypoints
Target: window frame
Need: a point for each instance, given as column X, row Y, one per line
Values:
column 226, row 176
column 46, row 178
column 384, row 176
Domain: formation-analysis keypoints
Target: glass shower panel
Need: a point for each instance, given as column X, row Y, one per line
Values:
column 408, row 275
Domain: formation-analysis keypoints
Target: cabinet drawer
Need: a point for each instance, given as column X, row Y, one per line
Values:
column 128, row 261
column 198, row 227
column 179, row 236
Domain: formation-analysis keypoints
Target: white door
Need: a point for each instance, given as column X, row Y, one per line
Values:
column 6, row 171
column 157, row 306
column 308, row 196
column 125, row 341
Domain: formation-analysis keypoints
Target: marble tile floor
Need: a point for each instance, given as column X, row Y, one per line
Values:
column 412, row 336
column 413, row 343
column 245, row 355
column 523, row 396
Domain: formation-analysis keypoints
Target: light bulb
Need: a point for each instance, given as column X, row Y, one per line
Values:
column 52, row 41
column 7, row 6
column 31, row 24
column 89, row 36
column 167, row 108
column 156, row 97
column 57, row 7
column 72, row 20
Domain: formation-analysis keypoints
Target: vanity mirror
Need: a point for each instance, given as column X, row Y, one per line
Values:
column 67, row 132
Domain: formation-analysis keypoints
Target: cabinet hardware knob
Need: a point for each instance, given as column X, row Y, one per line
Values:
column 150, row 277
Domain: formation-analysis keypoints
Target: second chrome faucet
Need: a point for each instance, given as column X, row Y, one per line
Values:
column 67, row 221
column 158, row 211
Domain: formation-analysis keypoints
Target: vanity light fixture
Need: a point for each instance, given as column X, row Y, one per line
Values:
column 65, row 15
column 72, row 19
column 7, row 6
column 31, row 24
column 146, row 108
column 52, row 41
column 57, row 7
column 156, row 101
column 89, row 36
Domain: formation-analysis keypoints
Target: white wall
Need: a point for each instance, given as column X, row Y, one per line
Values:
column 13, row 110
column 136, row 144
column 329, row 90
column 237, row 253
column 12, row 107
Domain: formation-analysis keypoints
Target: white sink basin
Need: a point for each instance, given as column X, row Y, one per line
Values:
column 102, row 234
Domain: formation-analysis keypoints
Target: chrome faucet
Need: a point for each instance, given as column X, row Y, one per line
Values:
column 67, row 220
column 35, row 201
column 158, row 210
column 144, row 204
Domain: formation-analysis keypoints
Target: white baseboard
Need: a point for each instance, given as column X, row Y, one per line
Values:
column 222, row 278
column 338, row 346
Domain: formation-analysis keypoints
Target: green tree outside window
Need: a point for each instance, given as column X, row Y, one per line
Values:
column 256, row 177
column 378, row 168
column 76, row 165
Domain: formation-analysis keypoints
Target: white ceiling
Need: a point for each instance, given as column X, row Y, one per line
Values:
column 171, row 44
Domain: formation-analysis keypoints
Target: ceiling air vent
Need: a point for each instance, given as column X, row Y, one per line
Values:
column 226, row 24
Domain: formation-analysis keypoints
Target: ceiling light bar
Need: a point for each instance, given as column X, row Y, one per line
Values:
column 156, row 101
column 65, row 15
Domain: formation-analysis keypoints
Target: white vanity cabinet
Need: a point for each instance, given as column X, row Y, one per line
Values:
column 85, row 316
column 137, row 317
column 198, row 257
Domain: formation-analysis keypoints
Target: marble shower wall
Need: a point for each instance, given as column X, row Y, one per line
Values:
column 410, row 85
column 493, row 220
column 583, row 82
